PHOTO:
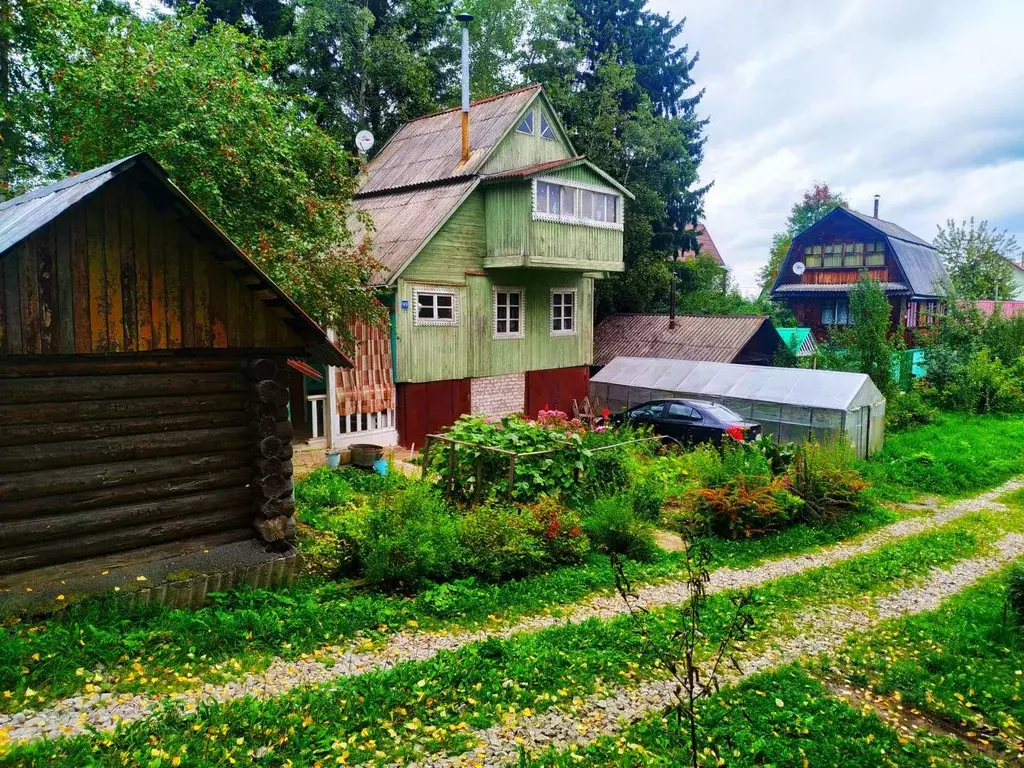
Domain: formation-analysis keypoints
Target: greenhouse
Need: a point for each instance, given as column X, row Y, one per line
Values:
column 791, row 404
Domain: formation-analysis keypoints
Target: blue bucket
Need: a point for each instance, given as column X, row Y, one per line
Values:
column 334, row 460
column 380, row 466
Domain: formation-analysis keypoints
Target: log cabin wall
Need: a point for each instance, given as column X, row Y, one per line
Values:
column 142, row 384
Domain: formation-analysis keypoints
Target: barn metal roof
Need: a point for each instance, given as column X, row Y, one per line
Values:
column 23, row 215
column 405, row 220
column 798, row 387
column 429, row 149
column 716, row 338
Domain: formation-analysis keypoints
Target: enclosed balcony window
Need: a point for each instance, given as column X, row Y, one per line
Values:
column 556, row 199
column 576, row 203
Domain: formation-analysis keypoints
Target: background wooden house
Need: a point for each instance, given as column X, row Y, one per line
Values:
column 825, row 260
column 489, row 263
column 141, row 361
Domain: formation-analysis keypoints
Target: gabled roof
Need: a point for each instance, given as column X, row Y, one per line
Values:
column 714, row 338
column 429, row 149
column 922, row 267
column 21, row 216
column 406, row 219
column 706, row 246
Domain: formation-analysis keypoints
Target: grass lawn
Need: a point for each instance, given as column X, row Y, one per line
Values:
column 780, row 718
column 387, row 711
column 963, row 662
column 956, row 456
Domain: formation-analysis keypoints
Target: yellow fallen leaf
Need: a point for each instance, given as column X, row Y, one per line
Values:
column 141, row 578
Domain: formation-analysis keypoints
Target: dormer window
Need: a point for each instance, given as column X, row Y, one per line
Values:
column 546, row 131
column 526, row 124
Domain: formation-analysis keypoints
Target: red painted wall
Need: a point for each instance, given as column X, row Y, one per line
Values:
column 556, row 388
column 426, row 409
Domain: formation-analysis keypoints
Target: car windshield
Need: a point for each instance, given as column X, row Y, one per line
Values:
column 721, row 413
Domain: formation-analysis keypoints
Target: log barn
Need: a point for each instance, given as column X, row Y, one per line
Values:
column 143, row 359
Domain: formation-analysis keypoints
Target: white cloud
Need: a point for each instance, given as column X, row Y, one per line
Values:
column 919, row 101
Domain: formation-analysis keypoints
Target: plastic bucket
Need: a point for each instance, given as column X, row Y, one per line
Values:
column 334, row 460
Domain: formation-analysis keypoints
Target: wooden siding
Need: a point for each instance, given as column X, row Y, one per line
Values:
column 459, row 245
column 834, row 276
column 515, row 239
column 468, row 350
column 520, row 151
column 114, row 275
column 841, row 230
column 104, row 455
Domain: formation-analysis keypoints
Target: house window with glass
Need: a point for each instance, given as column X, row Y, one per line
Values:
column 563, row 311
column 546, row 131
column 835, row 313
column 850, row 255
column 599, row 207
column 508, row 313
column 526, row 124
column 556, row 199
column 435, row 306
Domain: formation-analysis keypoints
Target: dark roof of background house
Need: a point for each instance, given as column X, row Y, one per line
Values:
column 429, row 149
column 705, row 245
column 711, row 338
column 23, row 215
column 919, row 261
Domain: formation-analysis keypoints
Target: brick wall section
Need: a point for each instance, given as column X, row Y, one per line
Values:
column 498, row 395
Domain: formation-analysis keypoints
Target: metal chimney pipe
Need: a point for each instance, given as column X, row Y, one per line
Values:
column 877, row 198
column 672, row 299
column 464, row 19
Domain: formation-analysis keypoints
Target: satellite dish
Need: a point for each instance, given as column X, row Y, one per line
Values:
column 364, row 141
column 798, row 268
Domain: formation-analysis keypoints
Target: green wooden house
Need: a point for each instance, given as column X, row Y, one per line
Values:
column 489, row 262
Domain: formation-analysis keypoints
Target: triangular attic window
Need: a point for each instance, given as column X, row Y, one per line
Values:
column 546, row 132
column 526, row 124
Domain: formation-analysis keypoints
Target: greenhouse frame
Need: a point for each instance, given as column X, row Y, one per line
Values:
column 791, row 404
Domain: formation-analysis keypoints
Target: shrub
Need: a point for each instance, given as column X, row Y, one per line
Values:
column 560, row 531
column 825, row 479
column 905, row 410
column 500, row 542
column 411, row 536
column 779, row 455
column 331, row 546
column 745, row 506
column 1015, row 594
column 613, row 526
column 646, row 496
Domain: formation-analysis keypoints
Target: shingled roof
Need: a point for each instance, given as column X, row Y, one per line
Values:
column 705, row 246
column 429, row 149
column 711, row 338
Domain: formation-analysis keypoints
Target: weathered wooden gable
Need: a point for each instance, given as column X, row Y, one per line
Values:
column 124, row 271
column 519, row 150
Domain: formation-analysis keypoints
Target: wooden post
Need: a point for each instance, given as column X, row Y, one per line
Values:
column 451, row 469
column 426, row 457
column 479, row 481
column 511, row 475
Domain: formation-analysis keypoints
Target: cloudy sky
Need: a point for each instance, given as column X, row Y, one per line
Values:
column 920, row 101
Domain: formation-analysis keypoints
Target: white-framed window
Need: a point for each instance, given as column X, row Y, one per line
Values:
column 435, row 305
column 546, row 131
column 563, row 311
column 509, row 313
column 526, row 124
column 836, row 313
column 573, row 202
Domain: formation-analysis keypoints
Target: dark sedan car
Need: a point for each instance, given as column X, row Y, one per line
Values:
column 692, row 421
